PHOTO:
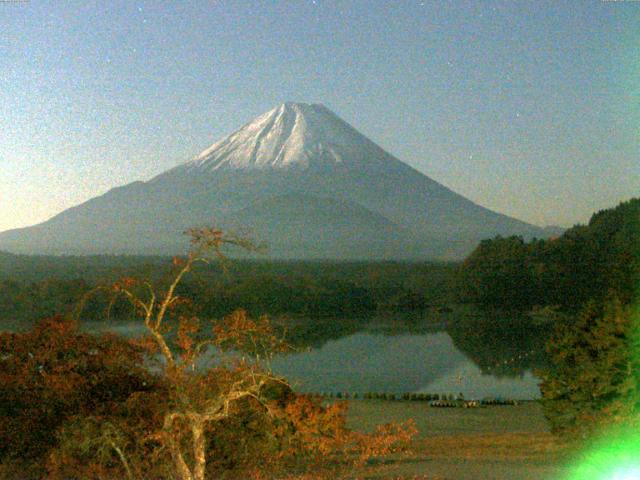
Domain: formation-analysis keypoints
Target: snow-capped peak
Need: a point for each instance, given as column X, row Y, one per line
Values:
column 291, row 135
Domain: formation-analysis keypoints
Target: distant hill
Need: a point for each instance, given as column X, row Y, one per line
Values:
column 552, row 231
column 302, row 179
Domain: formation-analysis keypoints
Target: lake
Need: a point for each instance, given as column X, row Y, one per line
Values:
column 478, row 356
column 425, row 363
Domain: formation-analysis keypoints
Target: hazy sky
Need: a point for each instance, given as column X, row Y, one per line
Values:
column 529, row 108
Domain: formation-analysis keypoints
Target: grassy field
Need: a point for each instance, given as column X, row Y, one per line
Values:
column 491, row 443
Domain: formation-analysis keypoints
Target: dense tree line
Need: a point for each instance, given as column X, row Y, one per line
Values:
column 314, row 289
column 586, row 263
column 594, row 383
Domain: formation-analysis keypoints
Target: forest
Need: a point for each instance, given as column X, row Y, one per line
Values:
column 588, row 262
column 38, row 287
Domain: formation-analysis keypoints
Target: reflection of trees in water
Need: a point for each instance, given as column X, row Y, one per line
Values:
column 499, row 344
column 504, row 345
column 316, row 332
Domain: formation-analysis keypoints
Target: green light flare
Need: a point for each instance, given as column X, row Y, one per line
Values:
column 615, row 454
column 616, row 458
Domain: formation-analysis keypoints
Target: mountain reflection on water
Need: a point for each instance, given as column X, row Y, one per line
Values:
column 472, row 353
column 479, row 355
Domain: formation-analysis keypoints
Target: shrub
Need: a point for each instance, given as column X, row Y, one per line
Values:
column 53, row 373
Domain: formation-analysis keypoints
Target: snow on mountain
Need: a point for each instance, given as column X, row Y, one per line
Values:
column 308, row 182
column 291, row 135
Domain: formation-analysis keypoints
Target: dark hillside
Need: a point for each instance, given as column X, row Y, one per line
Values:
column 586, row 262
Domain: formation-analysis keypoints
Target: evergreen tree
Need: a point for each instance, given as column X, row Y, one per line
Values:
column 594, row 378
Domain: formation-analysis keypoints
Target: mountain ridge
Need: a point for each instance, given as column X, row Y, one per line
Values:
column 294, row 149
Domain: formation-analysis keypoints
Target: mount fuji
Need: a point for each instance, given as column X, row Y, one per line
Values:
column 300, row 179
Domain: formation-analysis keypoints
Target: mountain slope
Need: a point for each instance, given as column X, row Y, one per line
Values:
column 296, row 225
column 295, row 156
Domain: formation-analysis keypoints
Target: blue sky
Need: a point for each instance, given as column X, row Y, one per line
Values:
column 529, row 108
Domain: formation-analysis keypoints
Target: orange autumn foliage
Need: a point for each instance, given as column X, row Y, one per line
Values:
column 53, row 373
column 102, row 407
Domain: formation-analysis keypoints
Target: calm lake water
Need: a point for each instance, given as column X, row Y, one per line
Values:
column 469, row 358
column 425, row 363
